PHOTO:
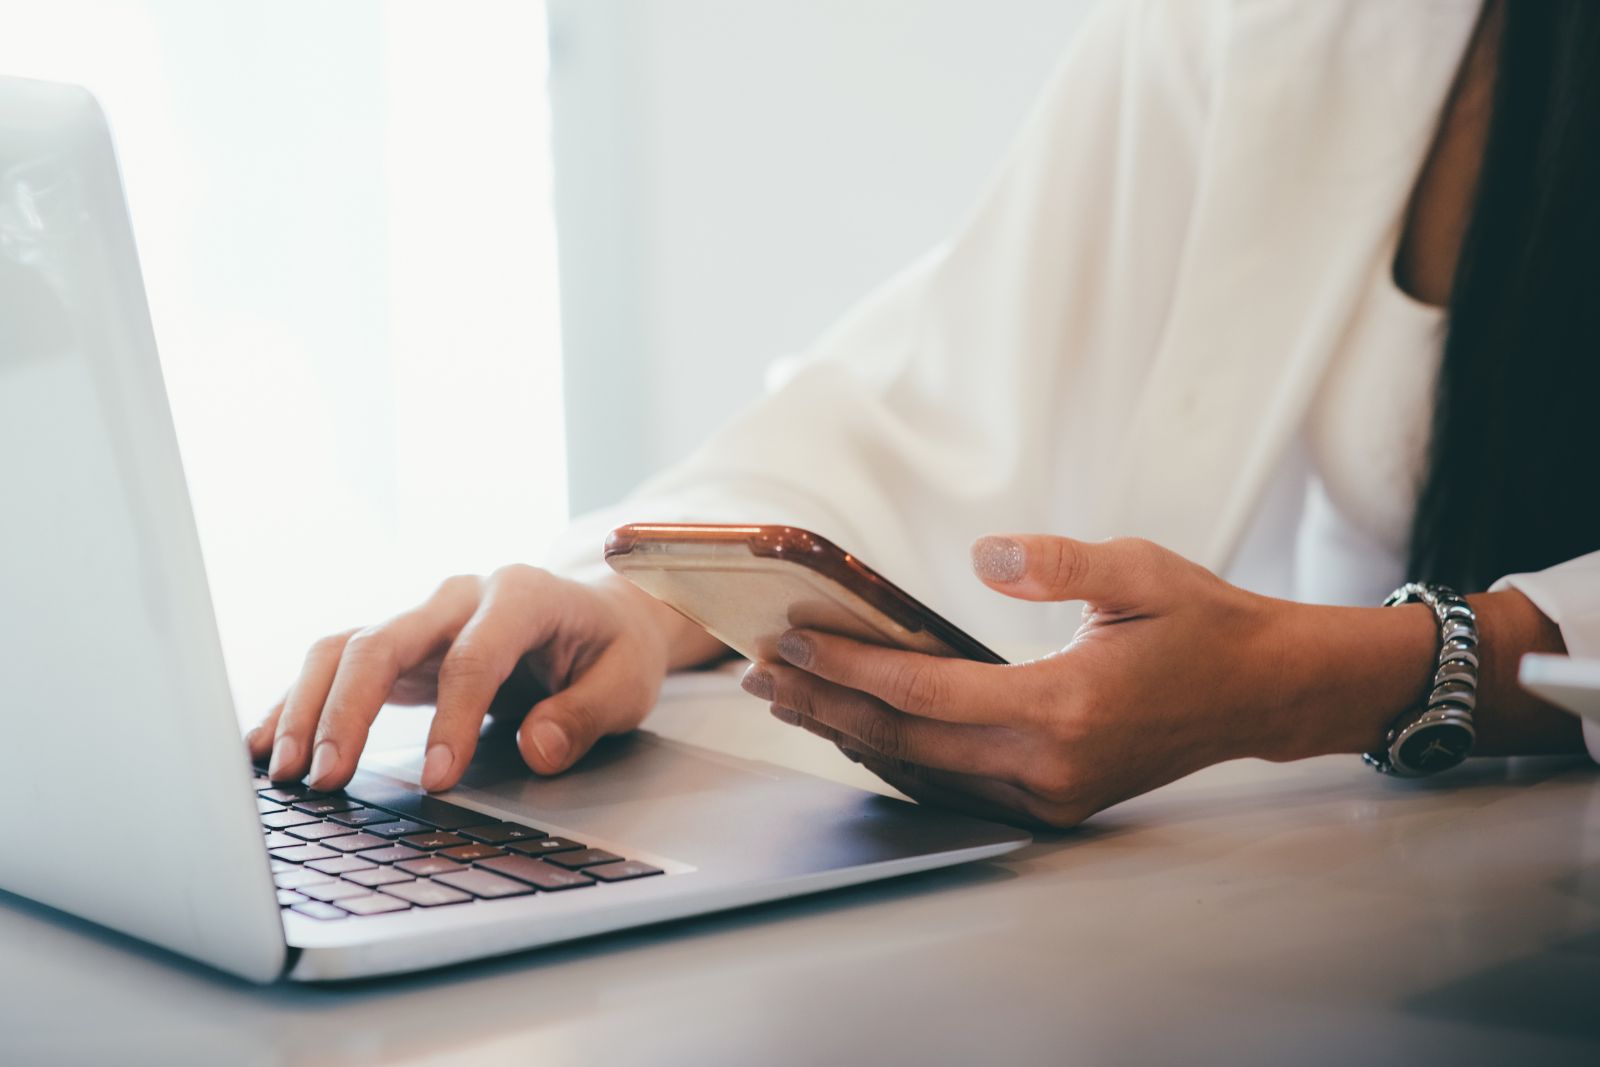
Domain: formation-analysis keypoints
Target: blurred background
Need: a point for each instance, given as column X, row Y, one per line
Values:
column 426, row 278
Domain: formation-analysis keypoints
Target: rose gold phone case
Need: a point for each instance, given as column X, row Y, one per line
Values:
column 748, row 584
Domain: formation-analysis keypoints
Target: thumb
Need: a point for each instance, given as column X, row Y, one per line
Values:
column 1122, row 573
column 560, row 729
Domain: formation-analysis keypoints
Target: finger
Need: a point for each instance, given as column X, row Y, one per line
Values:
column 374, row 659
column 811, row 726
column 514, row 615
column 988, row 751
column 291, row 746
column 259, row 740
column 605, row 699
column 1116, row 575
column 992, row 800
column 975, row 796
column 848, row 747
column 931, row 687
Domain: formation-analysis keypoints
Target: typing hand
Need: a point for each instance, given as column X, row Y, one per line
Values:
column 589, row 657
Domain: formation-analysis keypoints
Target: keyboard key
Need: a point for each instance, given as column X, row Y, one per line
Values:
column 288, row 793
column 331, row 891
column 434, row 840
column 498, row 833
column 622, row 872
column 325, row 805
column 377, row 876
column 587, row 857
column 424, row 809
column 277, row 866
column 304, row 853
column 426, row 894
column 316, row 831
column 278, row 839
column 483, row 884
column 295, row 877
column 339, row 865
column 288, row 897
column 536, row 873
column 428, row 865
column 282, row 820
column 391, row 854
column 396, row 828
column 267, row 807
column 544, row 846
column 361, row 817
column 355, row 842
column 472, row 852
column 373, row 904
column 260, row 782
column 316, row 909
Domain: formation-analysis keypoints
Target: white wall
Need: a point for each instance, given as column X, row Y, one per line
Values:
column 343, row 215
column 732, row 174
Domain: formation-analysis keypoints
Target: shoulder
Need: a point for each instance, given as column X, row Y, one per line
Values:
column 1139, row 68
column 1185, row 55
column 1156, row 51
column 1200, row 36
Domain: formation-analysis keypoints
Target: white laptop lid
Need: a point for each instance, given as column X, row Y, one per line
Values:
column 121, row 770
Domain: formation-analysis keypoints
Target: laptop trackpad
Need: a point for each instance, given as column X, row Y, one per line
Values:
column 636, row 768
column 667, row 802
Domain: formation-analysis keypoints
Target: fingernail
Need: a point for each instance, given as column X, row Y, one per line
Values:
column 787, row 715
column 757, row 681
column 999, row 559
column 323, row 757
column 551, row 741
column 436, row 766
column 286, row 755
column 797, row 648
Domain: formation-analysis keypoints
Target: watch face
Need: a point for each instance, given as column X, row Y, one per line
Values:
column 1434, row 747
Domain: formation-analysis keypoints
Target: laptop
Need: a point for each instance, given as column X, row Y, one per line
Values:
column 131, row 801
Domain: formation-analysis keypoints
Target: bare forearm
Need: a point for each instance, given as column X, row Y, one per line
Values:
column 1372, row 664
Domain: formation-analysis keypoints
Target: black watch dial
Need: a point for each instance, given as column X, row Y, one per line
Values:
column 1435, row 747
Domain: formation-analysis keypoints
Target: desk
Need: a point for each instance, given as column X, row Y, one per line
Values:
column 1311, row 913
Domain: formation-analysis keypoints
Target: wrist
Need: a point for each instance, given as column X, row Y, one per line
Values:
column 1510, row 720
column 685, row 642
column 1351, row 673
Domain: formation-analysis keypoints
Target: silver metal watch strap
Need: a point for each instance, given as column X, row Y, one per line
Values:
column 1440, row 733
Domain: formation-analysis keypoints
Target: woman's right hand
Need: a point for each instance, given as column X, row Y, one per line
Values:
column 595, row 652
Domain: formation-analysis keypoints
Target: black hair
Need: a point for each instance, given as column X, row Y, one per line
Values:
column 1513, row 476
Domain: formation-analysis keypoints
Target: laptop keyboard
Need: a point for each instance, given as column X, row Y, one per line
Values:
column 378, row 850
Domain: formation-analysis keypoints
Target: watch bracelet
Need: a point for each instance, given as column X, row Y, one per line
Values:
column 1453, row 692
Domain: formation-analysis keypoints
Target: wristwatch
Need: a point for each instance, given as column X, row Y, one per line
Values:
column 1439, row 734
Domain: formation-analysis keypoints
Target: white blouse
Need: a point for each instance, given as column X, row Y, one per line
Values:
column 1367, row 433
column 1171, row 315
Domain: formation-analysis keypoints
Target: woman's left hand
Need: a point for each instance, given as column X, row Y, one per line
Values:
column 1171, row 669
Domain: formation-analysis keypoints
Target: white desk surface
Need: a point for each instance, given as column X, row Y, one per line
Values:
column 1311, row 913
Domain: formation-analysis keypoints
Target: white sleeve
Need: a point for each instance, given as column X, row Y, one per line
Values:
column 970, row 394
column 1569, row 595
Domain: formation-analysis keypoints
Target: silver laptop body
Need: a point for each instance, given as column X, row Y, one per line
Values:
column 115, row 696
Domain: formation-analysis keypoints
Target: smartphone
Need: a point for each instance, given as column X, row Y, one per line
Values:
column 748, row 584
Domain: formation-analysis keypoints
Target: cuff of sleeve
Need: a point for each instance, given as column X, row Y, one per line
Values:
column 1569, row 595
